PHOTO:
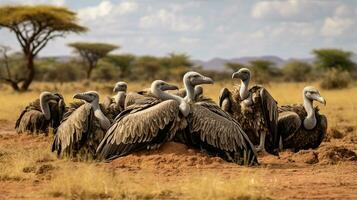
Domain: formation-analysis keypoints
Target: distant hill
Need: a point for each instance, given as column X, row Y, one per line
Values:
column 219, row 63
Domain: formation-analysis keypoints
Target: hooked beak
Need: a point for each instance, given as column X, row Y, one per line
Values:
column 55, row 97
column 321, row 100
column 236, row 75
column 206, row 80
column 81, row 96
column 170, row 87
column 116, row 89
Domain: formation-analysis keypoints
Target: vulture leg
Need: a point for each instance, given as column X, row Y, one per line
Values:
column 261, row 147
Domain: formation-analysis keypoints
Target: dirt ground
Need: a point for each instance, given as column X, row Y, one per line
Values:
column 329, row 172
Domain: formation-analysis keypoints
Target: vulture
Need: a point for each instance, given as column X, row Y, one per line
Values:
column 255, row 109
column 213, row 130
column 302, row 126
column 82, row 129
column 115, row 104
column 132, row 97
column 43, row 113
column 198, row 90
column 146, row 124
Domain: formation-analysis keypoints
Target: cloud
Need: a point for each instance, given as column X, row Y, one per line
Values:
column 107, row 8
column 335, row 26
column 172, row 20
column 296, row 10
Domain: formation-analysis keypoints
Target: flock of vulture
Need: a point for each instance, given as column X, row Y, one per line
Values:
column 246, row 121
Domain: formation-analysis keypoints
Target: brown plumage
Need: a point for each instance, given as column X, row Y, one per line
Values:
column 257, row 114
column 140, row 127
column 81, row 130
column 216, row 133
column 212, row 130
column 32, row 119
column 301, row 126
column 146, row 124
column 294, row 135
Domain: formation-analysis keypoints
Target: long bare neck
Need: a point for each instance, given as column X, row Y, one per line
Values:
column 183, row 106
column 45, row 108
column 190, row 90
column 244, row 91
column 310, row 120
column 120, row 98
column 103, row 120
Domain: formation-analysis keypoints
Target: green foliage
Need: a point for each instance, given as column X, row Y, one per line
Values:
column 34, row 27
column 335, row 79
column 50, row 70
column 334, row 58
column 122, row 61
column 296, row 70
column 47, row 17
column 106, row 72
column 92, row 52
column 234, row 66
column 263, row 70
column 147, row 68
column 174, row 60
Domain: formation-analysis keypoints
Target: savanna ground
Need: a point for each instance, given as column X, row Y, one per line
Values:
column 28, row 170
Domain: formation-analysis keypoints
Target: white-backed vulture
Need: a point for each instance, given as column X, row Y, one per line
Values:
column 82, row 130
column 132, row 97
column 41, row 114
column 115, row 104
column 302, row 126
column 212, row 130
column 255, row 109
column 198, row 92
column 148, row 123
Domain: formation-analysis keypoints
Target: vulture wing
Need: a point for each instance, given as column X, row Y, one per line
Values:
column 216, row 132
column 73, row 132
column 288, row 123
column 140, row 126
column 269, row 109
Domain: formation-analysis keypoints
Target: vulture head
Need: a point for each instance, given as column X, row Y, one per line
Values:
column 313, row 94
column 242, row 74
column 195, row 78
column 89, row 97
column 45, row 98
column 162, row 86
column 120, row 87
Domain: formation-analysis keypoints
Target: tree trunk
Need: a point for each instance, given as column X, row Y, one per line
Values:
column 90, row 69
column 31, row 73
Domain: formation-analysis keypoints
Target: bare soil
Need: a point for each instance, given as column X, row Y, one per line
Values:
column 329, row 172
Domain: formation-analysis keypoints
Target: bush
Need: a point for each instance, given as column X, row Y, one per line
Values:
column 335, row 79
column 297, row 71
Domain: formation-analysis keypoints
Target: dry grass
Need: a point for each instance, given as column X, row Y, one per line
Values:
column 73, row 180
column 100, row 183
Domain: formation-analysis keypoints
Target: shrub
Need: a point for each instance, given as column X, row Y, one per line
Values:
column 335, row 79
column 296, row 70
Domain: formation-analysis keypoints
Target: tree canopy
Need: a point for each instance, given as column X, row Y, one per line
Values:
column 334, row 58
column 122, row 61
column 35, row 26
column 92, row 52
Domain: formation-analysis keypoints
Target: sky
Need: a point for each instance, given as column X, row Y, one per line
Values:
column 207, row 29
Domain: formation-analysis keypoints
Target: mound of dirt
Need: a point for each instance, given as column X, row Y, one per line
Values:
column 306, row 156
column 335, row 154
column 169, row 158
column 327, row 154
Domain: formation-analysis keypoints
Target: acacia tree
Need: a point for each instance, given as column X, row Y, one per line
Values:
column 334, row 58
column 34, row 27
column 92, row 52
